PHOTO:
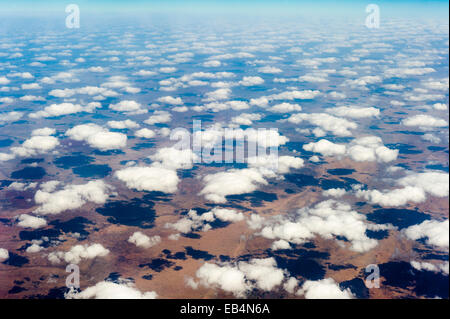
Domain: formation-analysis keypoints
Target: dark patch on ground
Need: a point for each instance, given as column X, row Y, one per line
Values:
column 401, row 218
column 357, row 287
column 198, row 254
column 70, row 161
column 134, row 212
column 256, row 198
column 16, row 260
column 341, row 171
column 92, row 170
column 29, row 173
column 158, row 264
column 423, row 283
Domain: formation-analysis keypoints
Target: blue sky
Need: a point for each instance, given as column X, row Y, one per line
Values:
column 397, row 8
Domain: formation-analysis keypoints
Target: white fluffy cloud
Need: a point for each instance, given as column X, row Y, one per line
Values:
column 55, row 110
column 142, row 240
column 159, row 117
column 241, row 277
column 97, row 137
column 415, row 186
column 149, row 178
column 122, row 124
column 327, row 219
column 354, row 112
column 435, row 232
column 111, row 290
column 128, row 106
column 4, row 255
column 194, row 222
column 71, row 197
column 337, row 126
column 324, row 289
column 251, row 81
column 363, row 149
column 173, row 158
column 424, row 121
column 29, row 221
column 77, row 253
column 170, row 100
column 145, row 133
column 231, row 182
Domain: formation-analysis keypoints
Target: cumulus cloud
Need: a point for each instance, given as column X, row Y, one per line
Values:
column 77, row 253
column 285, row 108
column 142, row 240
column 363, row 149
column 195, row 222
column 149, row 178
column 327, row 219
column 4, row 254
column 97, row 137
column 324, row 289
column 415, row 187
column 128, row 106
column 29, row 221
column 231, row 182
column 159, row 117
column 111, row 290
column 71, row 197
column 122, row 124
column 424, row 121
column 435, row 232
column 10, row 116
column 427, row 266
column 173, row 158
column 170, row 100
column 251, row 81
column 145, row 133
column 55, row 110
column 337, row 126
column 354, row 112
column 242, row 277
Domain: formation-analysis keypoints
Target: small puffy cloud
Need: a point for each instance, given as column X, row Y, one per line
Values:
column 159, row 117
column 111, row 290
column 427, row 266
column 97, row 136
column 435, row 232
column 242, row 277
column 10, row 117
column 4, row 255
column 170, row 100
column 55, row 110
column 149, row 178
column 246, row 118
column 36, row 145
column 29, row 221
column 231, row 182
column 354, row 112
column 31, row 86
column 424, row 121
column 4, row 80
column 251, row 81
column 334, row 192
column 325, row 148
column 128, row 106
column 285, row 108
column 219, row 94
column 142, row 240
column 45, row 131
column 337, row 126
column 328, row 219
column 71, row 197
column 415, row 186
column 77, row 253
column 122, row 124
column 144, row 73
column 145, row 133
column 269, row 70
column 173, row 158
column 324, row 289
column 212, row 63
